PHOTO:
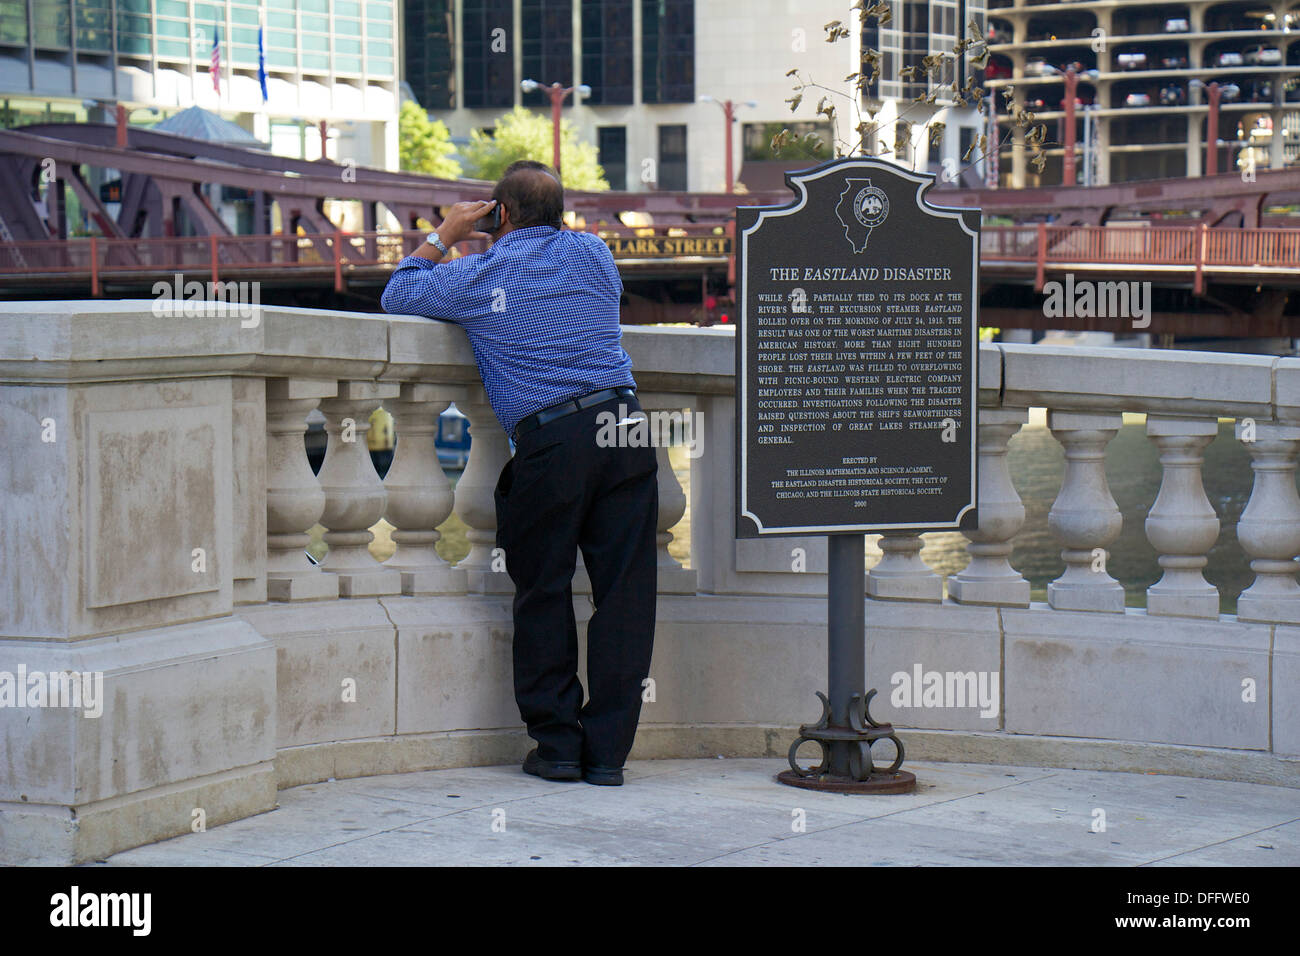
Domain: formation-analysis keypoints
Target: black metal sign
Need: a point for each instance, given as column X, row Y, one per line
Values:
column 856, row 356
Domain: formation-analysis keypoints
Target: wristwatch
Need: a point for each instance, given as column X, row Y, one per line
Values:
column 434, row 241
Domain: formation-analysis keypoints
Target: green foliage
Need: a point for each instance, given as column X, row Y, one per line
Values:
column 426, row 145
column 523, row 134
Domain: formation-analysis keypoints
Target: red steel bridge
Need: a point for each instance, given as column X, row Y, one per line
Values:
column 1222, row 255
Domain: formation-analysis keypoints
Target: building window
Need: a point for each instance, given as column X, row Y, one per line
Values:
column 94, row 25
column 13, row 22
column 672, row 158
column 886, row 41
column 547, row 46
column 916, row 46
column 429, row 67
column 51, row 26
column 668, row 51
column 607, row 50
column 611, row 144
column 489, row 75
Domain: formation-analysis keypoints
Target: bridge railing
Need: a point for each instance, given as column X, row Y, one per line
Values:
column 1195, row 249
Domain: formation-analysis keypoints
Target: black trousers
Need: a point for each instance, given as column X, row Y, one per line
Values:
column 560, row 492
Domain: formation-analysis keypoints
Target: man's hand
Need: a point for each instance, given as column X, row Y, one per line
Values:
column 460, row 219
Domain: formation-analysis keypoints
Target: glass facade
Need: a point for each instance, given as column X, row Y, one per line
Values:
column 607, row 51
column 672, row 158
column 668, row 51
column 487, row 53
column 351, row 37
column 611, row 146
column 547, row 45
column 429, row 65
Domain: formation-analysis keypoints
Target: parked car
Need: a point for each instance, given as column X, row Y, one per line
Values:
column 1263, row 56
column 1173, row 96
column 999, row 34
column 1137, row 99
column 1174, row 63
column 1177, row 25
column 1228, row 59
column 995, row 70
column 1040, row 67
column 1131, row 61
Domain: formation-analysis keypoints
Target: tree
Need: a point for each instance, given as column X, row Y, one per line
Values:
column 523, row 134
column 426, row 145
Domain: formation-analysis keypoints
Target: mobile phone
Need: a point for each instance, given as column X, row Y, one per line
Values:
column 491, row 222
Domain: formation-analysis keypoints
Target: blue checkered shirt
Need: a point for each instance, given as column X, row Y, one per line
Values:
column 540, row 308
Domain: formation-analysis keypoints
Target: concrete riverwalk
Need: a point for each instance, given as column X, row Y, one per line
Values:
column 732, row 813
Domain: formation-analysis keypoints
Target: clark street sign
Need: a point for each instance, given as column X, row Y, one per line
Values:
column 857, row 356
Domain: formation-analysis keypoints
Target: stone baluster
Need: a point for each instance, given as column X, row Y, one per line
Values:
column 354, row 495
column 1182, row 525
column 901, row 575
column 672, row 417
column 294, row 499
column 1084, row 516
column 419, row 494
column 475, row 495
column 990, row 578
column 1269, row 528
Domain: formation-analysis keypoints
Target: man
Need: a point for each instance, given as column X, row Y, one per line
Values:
column 541, row 310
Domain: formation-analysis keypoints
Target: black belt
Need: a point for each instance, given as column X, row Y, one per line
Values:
column 546, row 415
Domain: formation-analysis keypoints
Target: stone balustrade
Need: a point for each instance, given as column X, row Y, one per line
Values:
column 157, row 501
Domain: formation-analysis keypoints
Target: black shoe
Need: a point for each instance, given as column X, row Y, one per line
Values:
column 603, row 776
column 552, row 769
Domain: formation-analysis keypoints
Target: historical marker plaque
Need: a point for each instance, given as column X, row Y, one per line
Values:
column 856, row 356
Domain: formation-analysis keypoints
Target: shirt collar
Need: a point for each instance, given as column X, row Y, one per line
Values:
column 525, row 232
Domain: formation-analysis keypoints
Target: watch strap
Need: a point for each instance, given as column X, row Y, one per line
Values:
column 434, row 241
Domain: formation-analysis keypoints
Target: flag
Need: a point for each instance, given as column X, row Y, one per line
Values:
column 215, row 70
column 261, row 64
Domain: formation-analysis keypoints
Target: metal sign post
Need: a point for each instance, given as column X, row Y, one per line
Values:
column 856, row 369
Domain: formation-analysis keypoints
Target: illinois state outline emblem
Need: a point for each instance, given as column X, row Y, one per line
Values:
column 861, row 208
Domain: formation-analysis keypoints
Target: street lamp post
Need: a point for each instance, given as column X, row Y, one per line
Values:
column 557, row 94
column 729, row 114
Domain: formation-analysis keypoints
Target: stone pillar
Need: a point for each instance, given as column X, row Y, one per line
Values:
column 989, row 578
column 1182, row 525
column 354, row 496
column 1084, row 516
column 475, row 495
column 419, row 494
column 1269, row 528
column 672, row 577
column 294, row 499
column 901, row 575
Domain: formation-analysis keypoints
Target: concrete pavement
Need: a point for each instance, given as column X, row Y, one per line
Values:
column 732, row 813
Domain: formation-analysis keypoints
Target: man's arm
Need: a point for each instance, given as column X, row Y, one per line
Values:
column 416, row 287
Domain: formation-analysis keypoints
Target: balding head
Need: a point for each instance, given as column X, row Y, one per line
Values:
column 531, row 194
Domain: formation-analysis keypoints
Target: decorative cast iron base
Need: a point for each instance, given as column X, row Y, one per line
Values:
column 862, row 732
column 879, row 782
